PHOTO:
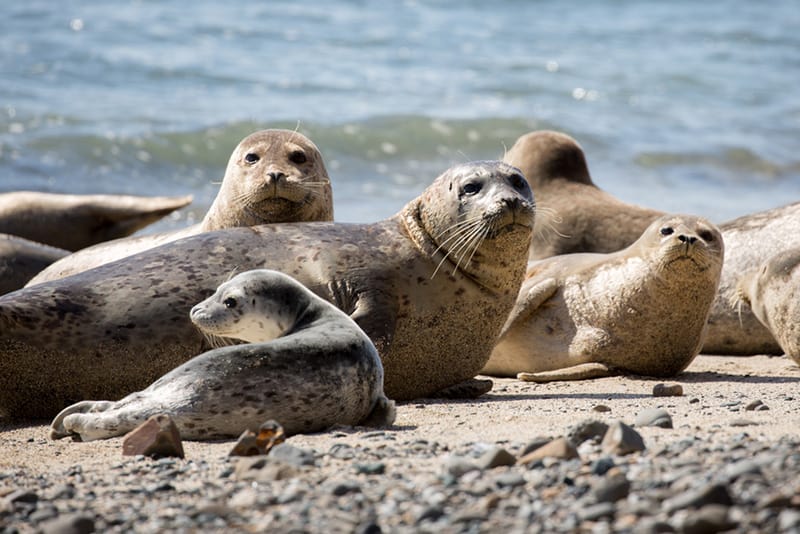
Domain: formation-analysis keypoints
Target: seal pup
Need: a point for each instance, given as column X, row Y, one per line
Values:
column 573, row 214
column 771, row 292
column 306, row 364
column 640, row 310
column 21, row 259
column 431, row 287
column 749, row 240
column 273, row 176
column 73, row 222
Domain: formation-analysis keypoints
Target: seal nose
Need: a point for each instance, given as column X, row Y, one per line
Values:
column 687, row 239
column 275, row 176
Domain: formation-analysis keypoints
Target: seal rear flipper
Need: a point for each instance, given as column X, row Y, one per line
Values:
column 383, row 413
column 583, row 371
column 528, row 301
column 468, row 389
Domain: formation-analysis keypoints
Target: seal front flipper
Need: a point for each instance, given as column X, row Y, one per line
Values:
column 583, row 371
column 529, row 300
column 373, row 310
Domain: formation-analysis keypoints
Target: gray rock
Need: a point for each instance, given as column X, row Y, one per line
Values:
column 602, row 465
column 292, row 455
column 495, row 457
column 621, row 439
column 264, row 469
column 699, row 497
column 597, row 511
column 788, row 519
column 510, row 479
column 70, row 524
column 707, row 520
column 588, row 429
column 667, row 390
column 457, row 466
column 654, row 417
column 611, row 488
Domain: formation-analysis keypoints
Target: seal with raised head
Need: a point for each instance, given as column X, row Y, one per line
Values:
column 572, row 213
column 21, row 259
column 273, row 176
column 431, row 287
column 640, row 310
column 772, row 294
column 306, row 365
column 749, row 240
column 73, row 222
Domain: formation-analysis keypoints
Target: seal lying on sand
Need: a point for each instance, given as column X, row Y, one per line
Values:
column 640, row 310
column 749, row 240
column 306, row 365
column 273, row 176
column 73, row 222
column 573, row 214
column 771, row 291
column 21, row 259
column 431, row 287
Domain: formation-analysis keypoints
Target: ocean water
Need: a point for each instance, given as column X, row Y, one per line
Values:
column 681, row 106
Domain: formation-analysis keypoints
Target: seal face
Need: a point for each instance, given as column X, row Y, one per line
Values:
column 640, row 310
column 771, row 294
column 749, row 240
column 273, row 176
column 573, row 214
column 73, row 222
column 306, row 364
column 430, row 286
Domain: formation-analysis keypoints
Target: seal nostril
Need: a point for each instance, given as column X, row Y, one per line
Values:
column 682, row 238
column 276, row 175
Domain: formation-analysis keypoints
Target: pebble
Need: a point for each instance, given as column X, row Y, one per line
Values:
column 70, row 524
column 654, row 417
column 621, row 439
column 157, row 437
column 290, row 454
column 709, row 494
column 495, row 457
column 559, row 448
column 667, row 390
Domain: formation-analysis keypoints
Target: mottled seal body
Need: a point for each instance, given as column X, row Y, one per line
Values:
column 639, row 310
column 749, row 240
column 771, row 293
column 431, row 287
column 21, row 259
column 73, row 222
column 573, row 214
column 306, row 365
column 273, row 176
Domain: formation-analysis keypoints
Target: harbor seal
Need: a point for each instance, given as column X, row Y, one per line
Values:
column 73, row 222
column 640, row 310
column 306, row 365
column 771, row 293
column 21, row 259
column 749, row 240
column 273, row 176
column 431, row 287
column 573, row 214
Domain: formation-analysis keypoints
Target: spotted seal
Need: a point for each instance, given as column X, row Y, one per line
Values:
column 21, row 259
column 306, row 364
column 431, row 286
column 749, row 240
column 73, row 222
column 639, row 310
column 573, row 214
column 771, row 293
column 273, row 176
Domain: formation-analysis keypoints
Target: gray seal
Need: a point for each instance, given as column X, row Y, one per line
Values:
column 273, row 176
column 640, row 310
column 749, row 241
column 305, row 364
column 772, row 293
column 21, row 259
column 573, row 214
column 431, row 287
column 73, row 222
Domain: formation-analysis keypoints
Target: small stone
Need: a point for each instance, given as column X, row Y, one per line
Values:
column 343, row 488
column 270, row 434
column 342, row 451
column 752, row 405
column 602, row 465
column 559, row 448
column 775, row 500
column 742, row 422
column 742, row 467
column 699, row 497
column 788, row 520
column 510, row 479
column 376, row 468
column 264, row 469
column 430, row 513
column 457, row 466
column 667, row 390
column 621, row 439
column 654, row 417
column 601, row 408
column 597, row 511
column 495, row 457
column 534, row 444
column 589, row 429
column 22, row 496
column 246, row 445
column 611, row 488
column 708, row 519
column 70, row 524
column 157, row 437
column 292, row 455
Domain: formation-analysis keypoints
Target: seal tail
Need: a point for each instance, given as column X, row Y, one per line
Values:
column 383, row 413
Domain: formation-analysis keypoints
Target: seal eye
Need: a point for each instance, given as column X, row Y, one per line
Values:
column 251, row 158
column 229, row 302
column 706, row 236
column 471, row 188
column 298, row 157
column 667, row 231
column 518, row 182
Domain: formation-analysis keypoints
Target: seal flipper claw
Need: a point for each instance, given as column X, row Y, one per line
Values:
column 57, row 428
column 583, row 371
column 468, row 389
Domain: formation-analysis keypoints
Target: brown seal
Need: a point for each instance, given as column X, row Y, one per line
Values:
column 73, row 222
column 273, row 176
column 305, row 364
column 21, row 259
column 640, row 310
column 749, row 240
column 431, row 287
column 771, row 292
column 572, row 213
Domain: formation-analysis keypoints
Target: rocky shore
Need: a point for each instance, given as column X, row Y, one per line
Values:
column 596, row 456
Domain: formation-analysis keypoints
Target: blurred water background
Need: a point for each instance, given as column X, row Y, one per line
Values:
column 683, row 106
